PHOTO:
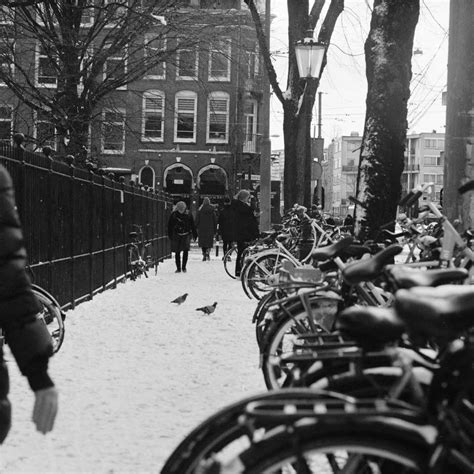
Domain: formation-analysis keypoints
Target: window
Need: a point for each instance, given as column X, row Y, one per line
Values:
column 218, row 117
column 187, row 64
column 116, row 66
column 45, row 130
column 439, row 179
column 219, row 61
column 87, row 13
column 5, row 124
column 113, row 132
column 252, row 64
column 116, row 9
column 185, row 119
column 153, row 107
column 432, row 160
column 154, row 47
column 7, row 63
column 6, row 15
column 434, row 143
column 250, row 123
column 46, row 67
column 429, row 178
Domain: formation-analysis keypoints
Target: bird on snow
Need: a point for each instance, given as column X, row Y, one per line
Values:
column 180, row 299
column 208, row 309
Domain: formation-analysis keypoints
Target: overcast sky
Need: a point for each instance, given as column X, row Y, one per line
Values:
column 344, row 85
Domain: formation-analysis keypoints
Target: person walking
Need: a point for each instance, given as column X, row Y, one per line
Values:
column 246, row 225
column 226, row 223
column 206, row 223
column 181, row 229
column 27, row 336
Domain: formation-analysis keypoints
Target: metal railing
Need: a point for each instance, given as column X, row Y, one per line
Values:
column 76, row 223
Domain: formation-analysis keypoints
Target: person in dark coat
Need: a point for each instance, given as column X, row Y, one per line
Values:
column 181, row 229
column 246, row 225
column 206, row 223
column 226, row 224
column 26, row 335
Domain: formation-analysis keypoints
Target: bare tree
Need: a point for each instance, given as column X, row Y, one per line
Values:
column 298, row 98
column 388, row 52
column 66, row 58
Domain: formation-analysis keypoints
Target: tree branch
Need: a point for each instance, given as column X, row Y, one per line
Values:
column 264, row 48
column 315, row 13
column 335, row 9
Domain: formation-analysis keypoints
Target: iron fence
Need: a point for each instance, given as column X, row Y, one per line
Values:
column 76, row 223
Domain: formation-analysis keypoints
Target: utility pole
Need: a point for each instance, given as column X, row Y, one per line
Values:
column 266, row 146
column 459, row 140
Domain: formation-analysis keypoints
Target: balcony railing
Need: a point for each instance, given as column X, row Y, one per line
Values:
column 411, row 167
column 251, row 144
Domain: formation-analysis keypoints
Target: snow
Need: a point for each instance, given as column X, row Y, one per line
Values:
column 136, row 373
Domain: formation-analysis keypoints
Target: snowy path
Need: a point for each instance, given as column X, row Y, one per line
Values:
column 136, row 373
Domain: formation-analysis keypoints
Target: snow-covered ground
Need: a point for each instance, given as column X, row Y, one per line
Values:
column 136, row 373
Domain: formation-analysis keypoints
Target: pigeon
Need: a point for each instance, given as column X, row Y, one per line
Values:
column 208, row 309
column 180, row 299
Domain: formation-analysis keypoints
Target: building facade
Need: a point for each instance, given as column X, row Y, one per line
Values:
column 190, row 126
column 424, row 163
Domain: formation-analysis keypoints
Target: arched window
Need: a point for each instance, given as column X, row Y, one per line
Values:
column 147, row 177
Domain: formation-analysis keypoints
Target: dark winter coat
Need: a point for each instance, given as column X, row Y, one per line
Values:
column 246, row 225
column 27, row 337
column 181, row 229
column 206, row 223
column 226, row 223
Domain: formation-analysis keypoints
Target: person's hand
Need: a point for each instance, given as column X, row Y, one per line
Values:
column 45, row 409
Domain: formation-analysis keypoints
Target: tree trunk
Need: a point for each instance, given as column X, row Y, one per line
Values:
column 388, row 52
column 459, row 148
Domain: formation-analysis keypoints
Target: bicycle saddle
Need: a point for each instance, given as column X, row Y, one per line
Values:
column 368, row 269
column 407, row 277
column 443, row 312
column 332, row 250
column 371, row 327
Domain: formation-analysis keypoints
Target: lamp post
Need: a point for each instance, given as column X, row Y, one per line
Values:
column 309, row 57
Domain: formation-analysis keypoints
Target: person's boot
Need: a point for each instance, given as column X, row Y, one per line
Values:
column 204, row 255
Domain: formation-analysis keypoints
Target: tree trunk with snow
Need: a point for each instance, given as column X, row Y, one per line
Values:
column 388, row 52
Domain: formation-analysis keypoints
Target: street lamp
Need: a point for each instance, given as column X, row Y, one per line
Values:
column 309, row 58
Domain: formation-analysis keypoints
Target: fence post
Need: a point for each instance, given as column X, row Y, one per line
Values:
column 70, row 162
column 102, row 207
column 91, row 234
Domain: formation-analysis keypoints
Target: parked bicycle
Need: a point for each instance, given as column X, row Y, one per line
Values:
column 140, row 255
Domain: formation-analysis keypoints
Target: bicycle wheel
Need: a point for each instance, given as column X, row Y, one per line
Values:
column 260, row 317
column 259, row 271
column 284, row 332
column 229, row 261
column 52, row 317
column 221, row 433
column 355, row 447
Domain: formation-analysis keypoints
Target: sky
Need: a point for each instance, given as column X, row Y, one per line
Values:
column 344, row 84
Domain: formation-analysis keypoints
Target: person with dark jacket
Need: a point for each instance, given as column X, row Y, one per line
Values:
column 226, row 224
column 26, row 335
column 181, row 229
column 246, row 225
column 206, row 223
